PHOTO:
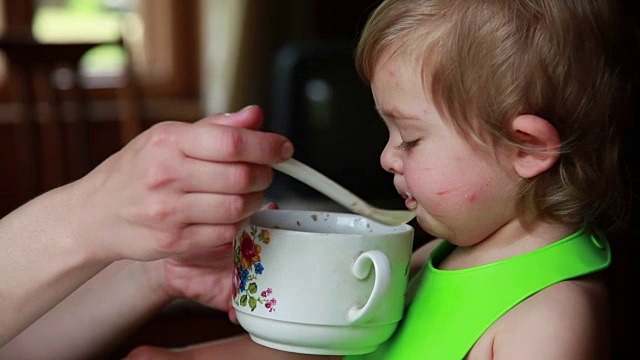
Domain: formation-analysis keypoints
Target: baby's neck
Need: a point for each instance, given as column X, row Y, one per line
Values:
column 510, row 240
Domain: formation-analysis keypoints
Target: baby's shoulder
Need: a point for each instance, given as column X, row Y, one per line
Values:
column 569, row 319
column 587, row 291
column 568, row 302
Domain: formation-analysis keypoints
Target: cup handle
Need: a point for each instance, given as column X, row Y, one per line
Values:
column 361, row 269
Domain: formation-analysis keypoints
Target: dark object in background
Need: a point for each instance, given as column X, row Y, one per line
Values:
column 321, row 104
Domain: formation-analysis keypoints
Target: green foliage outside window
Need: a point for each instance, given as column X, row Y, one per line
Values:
column 82, row 21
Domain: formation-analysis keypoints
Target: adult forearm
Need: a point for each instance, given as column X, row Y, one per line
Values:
column 41, row 260
column 93, row 319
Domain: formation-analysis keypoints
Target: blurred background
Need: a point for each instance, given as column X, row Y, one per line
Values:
column 80, row 78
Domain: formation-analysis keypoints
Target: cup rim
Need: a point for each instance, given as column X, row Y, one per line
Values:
column 265, row 220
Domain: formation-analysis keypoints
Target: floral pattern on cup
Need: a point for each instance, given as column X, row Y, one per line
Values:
column 246, row 257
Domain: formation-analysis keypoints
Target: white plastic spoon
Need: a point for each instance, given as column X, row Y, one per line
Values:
column 342, row 196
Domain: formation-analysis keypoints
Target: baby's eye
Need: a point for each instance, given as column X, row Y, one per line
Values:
column 406, row 145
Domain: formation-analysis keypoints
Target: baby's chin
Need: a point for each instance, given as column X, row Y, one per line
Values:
column 431, row 225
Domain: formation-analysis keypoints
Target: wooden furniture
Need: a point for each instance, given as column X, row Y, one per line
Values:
column 51, row 121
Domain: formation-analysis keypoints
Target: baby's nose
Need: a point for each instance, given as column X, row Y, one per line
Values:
column 390, row 159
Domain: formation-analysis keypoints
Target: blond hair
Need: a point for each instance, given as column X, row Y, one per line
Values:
column 488, row 61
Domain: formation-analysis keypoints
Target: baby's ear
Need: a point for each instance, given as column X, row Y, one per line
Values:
column 540, row 142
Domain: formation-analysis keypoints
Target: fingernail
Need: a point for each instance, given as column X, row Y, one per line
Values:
column 246, row 108
column 287, row 150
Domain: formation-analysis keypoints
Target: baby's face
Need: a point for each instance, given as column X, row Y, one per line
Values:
column 459, row 192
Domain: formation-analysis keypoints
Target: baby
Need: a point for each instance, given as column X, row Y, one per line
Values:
column 504, row 120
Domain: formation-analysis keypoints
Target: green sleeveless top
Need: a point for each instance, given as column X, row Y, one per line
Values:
column 452, row 309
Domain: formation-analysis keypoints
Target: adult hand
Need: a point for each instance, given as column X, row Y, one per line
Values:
column 204, row 276
column 179, row 187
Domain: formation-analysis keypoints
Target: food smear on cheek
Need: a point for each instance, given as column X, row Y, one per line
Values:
column 455, row 189
column 460, row 193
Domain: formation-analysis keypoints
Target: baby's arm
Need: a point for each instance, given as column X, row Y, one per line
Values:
column 236, row 348
column 418, row 260
column 420, row 256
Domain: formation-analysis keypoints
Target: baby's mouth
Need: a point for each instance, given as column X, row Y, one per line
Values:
column 410, row 202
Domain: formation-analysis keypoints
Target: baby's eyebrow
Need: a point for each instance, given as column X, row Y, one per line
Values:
column 395, row 114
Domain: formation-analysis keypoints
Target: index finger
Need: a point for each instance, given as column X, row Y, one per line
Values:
column 233, row 144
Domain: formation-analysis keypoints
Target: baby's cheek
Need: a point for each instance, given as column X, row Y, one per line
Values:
column 457, row 198
column 471, row 196
column 442, row 191
column 444, row 199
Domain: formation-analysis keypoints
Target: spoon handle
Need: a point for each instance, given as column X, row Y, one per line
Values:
column 323, row 184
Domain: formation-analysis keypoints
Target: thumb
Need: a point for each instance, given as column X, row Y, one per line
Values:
column 270, row 206
column 250, row 117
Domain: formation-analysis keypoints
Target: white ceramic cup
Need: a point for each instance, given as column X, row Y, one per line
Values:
column 320, row 282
